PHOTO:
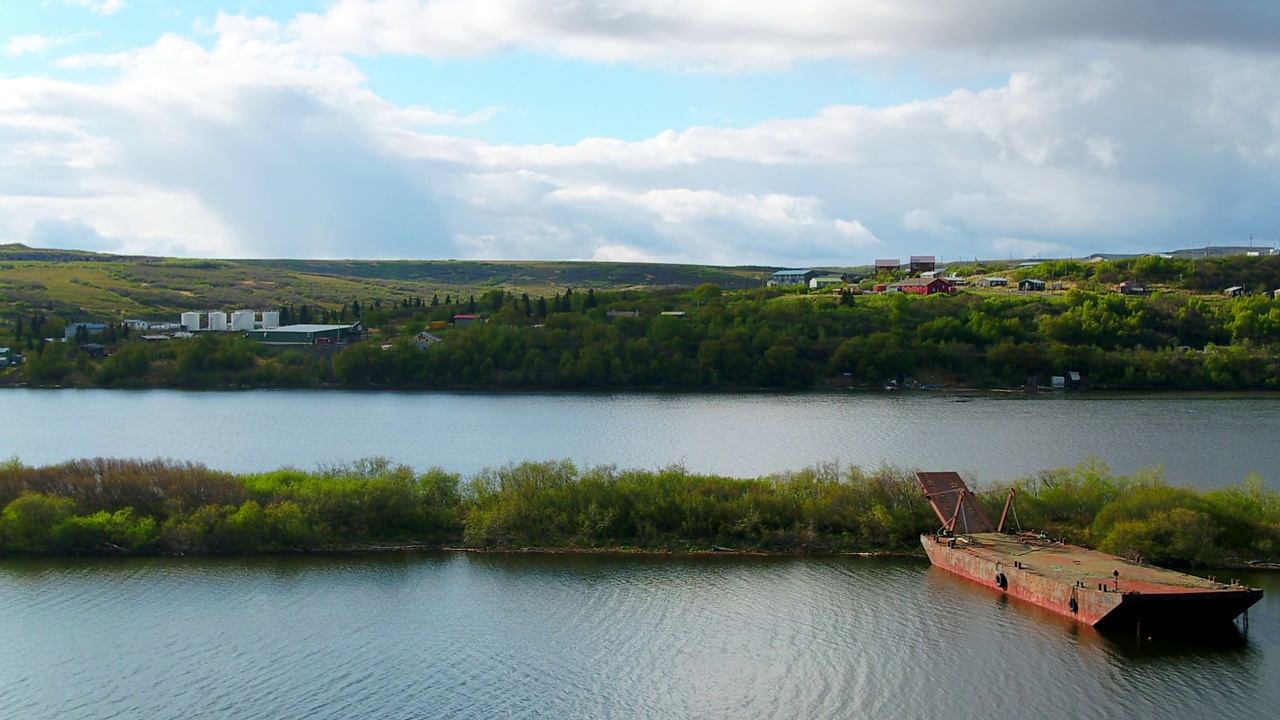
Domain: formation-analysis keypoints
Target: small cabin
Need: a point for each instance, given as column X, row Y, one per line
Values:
column 1032, row 285
column 1234, row 291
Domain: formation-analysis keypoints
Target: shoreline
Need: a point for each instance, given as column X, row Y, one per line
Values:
column 384, row 548
column 956, row 391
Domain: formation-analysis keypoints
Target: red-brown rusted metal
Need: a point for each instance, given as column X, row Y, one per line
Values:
column 1008, row 503
column 953, row 502
column 1092, row 587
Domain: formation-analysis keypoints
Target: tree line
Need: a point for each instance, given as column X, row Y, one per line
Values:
column 107, row 506
column 706, row 339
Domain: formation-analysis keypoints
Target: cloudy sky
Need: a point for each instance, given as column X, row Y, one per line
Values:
column 806, row 132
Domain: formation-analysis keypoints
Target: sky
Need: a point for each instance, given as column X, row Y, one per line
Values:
column 727, row 132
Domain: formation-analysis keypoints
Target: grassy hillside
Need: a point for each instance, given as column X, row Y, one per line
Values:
column 86, row 285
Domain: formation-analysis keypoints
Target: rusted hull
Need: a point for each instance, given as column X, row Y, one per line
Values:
column 1144, row 605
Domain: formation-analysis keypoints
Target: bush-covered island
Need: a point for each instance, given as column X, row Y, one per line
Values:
column 1180, row 333
column 107, row 506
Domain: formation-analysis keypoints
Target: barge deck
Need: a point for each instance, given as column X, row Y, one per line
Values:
column 1092, row 587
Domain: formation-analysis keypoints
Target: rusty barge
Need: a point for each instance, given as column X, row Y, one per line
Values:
column 1092, row 587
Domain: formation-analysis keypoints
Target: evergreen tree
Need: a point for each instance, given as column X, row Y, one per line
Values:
column 448, row 299
column 542, row 308
column 304, row 315
column 591, row 299
column 471, row 304
column 525, row 305
column 355, row 308
column 17, row 328
column 435, row 300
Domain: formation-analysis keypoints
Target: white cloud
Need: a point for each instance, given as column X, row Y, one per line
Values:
column 926, row 221
column 265, row 141
column 99, row 7
column 857, row 233
column 735, row 34
column 24, row 44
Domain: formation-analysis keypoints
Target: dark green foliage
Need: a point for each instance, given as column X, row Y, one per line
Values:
column 1142, row 517
column 749, row 339
column 115, row 506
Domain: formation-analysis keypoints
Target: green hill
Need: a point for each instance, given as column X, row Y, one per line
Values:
column 88, row 285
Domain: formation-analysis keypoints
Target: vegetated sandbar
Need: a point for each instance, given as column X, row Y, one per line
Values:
column 111, row 506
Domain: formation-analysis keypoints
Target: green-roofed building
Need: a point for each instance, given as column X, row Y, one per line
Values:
column 792, row 277
column 310, row 334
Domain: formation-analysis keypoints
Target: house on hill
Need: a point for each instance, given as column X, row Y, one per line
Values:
column 992, row 282
column 792, row 277
column 1032, row 285
column 888, row 266
column 923, row 263
column 69, row 332
column 826, row 281
column 1131, row 287
column 922, row 286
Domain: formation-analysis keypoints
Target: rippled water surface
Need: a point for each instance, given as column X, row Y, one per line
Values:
column 1208, row 441
column 554, row 636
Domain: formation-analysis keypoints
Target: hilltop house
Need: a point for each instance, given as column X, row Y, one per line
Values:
column 792, row 277
column 922, row 286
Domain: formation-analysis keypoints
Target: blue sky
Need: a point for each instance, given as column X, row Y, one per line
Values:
column 812, row 132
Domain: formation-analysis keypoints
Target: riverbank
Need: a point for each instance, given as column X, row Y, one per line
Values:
column 106, row 506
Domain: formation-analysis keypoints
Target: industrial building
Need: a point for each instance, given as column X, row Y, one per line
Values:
column 240, row 321
column 310, row 334
column 792, row 277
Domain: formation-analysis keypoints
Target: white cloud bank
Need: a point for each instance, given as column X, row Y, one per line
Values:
column 269, row 142
column 731, row 34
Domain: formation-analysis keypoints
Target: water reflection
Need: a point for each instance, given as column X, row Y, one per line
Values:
column 598, row 636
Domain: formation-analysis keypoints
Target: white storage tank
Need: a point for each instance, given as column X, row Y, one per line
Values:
column 191, row 321
column 270, row 320
column 242, row 320
column 217, row 321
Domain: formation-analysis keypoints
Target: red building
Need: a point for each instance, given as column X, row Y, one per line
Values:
column 923, row 286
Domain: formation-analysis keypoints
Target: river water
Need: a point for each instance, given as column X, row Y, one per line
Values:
column 443, row 635
column 1205, row 440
